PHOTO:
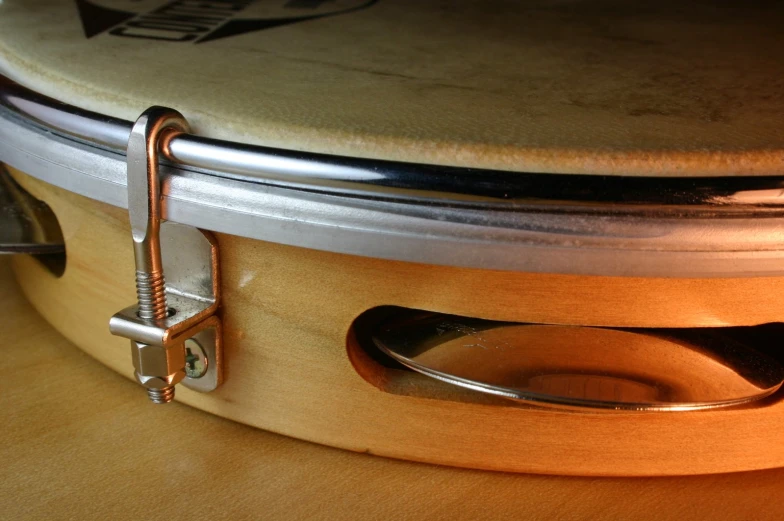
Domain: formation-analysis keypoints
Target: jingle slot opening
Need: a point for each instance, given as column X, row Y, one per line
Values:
column 392, row 377
column 433, row 355
column 29, row 226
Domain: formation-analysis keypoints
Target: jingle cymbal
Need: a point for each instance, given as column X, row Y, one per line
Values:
column 26, row 224
column 594, row 368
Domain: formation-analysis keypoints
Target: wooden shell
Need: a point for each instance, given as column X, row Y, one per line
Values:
column 292, row 366
column 78, row 442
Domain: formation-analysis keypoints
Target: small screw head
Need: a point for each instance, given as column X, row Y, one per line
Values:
column 196, row 362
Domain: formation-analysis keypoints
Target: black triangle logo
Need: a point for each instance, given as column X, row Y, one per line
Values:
column 235, row 27
column 97, row 19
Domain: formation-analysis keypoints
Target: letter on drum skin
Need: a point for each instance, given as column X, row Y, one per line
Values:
column 123, row 31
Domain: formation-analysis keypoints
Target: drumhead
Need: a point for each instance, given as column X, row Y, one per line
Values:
column 645, row 88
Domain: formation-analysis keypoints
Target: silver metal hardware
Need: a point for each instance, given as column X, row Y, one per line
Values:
column 582, row 367
column 250, row 191
column 196, row 360
column 27, row 225
column 168, row 313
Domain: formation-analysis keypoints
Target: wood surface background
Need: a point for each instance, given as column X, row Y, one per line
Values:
column 287, row 312
column 79, row 442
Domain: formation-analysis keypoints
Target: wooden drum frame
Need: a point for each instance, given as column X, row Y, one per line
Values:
column 503, row 222
column 288, row 369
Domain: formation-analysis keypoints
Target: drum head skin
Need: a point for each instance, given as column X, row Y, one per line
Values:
column 659, row 88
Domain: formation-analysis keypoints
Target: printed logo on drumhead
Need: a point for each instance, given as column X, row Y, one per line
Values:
column 200, row 21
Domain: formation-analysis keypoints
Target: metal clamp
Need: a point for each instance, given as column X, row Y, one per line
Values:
column 174, row 332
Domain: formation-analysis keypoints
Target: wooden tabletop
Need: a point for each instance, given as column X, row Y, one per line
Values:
column 78, row 441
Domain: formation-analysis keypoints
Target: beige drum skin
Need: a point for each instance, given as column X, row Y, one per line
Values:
column 661, row 88
column 288, row 313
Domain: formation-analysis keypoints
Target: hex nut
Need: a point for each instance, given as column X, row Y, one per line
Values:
column 158, row 361
column 159, row 382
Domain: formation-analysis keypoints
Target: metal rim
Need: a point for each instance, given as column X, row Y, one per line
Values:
column 408, row 181
column 591, row 225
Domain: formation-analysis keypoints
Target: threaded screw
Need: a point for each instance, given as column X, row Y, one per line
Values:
column 163, row 395
column 151, row 294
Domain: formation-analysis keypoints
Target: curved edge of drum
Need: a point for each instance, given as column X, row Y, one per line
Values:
column 288, row 369
column 347, row 412
column 730, row 229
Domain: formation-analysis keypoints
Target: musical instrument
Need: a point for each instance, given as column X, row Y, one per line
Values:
column 73, row 443
column 350, row 190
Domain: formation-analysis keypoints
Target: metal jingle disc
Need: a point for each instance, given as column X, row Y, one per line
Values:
column 587, row 368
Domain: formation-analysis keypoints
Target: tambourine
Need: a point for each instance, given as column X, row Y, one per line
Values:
column 414, row 231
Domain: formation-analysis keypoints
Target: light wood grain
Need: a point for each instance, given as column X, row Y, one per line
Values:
column 79, row 442
column 288, row 311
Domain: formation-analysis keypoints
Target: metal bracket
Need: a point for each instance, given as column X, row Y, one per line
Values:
column 181, row 308
column 190, row 261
